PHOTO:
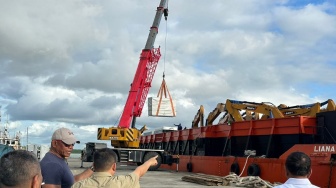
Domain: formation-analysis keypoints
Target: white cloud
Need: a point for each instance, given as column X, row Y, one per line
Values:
column 71, row 64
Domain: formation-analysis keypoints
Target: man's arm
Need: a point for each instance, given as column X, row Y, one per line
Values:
column 141, row 170
column 87, row 173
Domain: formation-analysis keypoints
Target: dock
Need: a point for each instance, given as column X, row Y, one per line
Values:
column 159, row 179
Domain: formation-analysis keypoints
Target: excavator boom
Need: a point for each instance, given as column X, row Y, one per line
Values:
column 215, row 113
column 307, row 109
column 199, row 118
column 234, row 108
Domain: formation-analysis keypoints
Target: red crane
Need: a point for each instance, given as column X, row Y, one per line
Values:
column 126, row 135
column 143, row 77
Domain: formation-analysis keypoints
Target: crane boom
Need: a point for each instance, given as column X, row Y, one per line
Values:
column 143, row 77
column 161, row 9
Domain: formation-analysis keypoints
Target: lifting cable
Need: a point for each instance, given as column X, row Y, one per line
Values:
column 165, row 13
column 163, row 88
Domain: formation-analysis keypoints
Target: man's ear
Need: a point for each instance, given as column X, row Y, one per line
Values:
column 114, row 166
column 36, row 183
column 53, row 143
column 287, row 173
column 310, row 173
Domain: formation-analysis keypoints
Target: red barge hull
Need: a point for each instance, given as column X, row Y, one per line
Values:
column 256, row 147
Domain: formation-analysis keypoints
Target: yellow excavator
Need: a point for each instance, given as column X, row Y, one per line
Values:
column 307, row 109
column 215, row 113
column 251, row 110
column 199, row 118
column 244, row 111
column 241, row 111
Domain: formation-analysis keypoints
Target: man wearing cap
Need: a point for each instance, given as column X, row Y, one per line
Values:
column 55, row 171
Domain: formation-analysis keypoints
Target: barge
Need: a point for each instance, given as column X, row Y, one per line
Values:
column 253, row 148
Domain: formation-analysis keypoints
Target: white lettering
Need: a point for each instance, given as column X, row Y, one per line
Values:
column 328, row 148
column 324, row 148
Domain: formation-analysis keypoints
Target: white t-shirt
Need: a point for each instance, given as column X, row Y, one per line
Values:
column 296, row 183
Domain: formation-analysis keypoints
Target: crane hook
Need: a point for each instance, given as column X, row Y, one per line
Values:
column 165, row 13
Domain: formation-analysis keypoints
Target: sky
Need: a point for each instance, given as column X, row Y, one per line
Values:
column 70, row 63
